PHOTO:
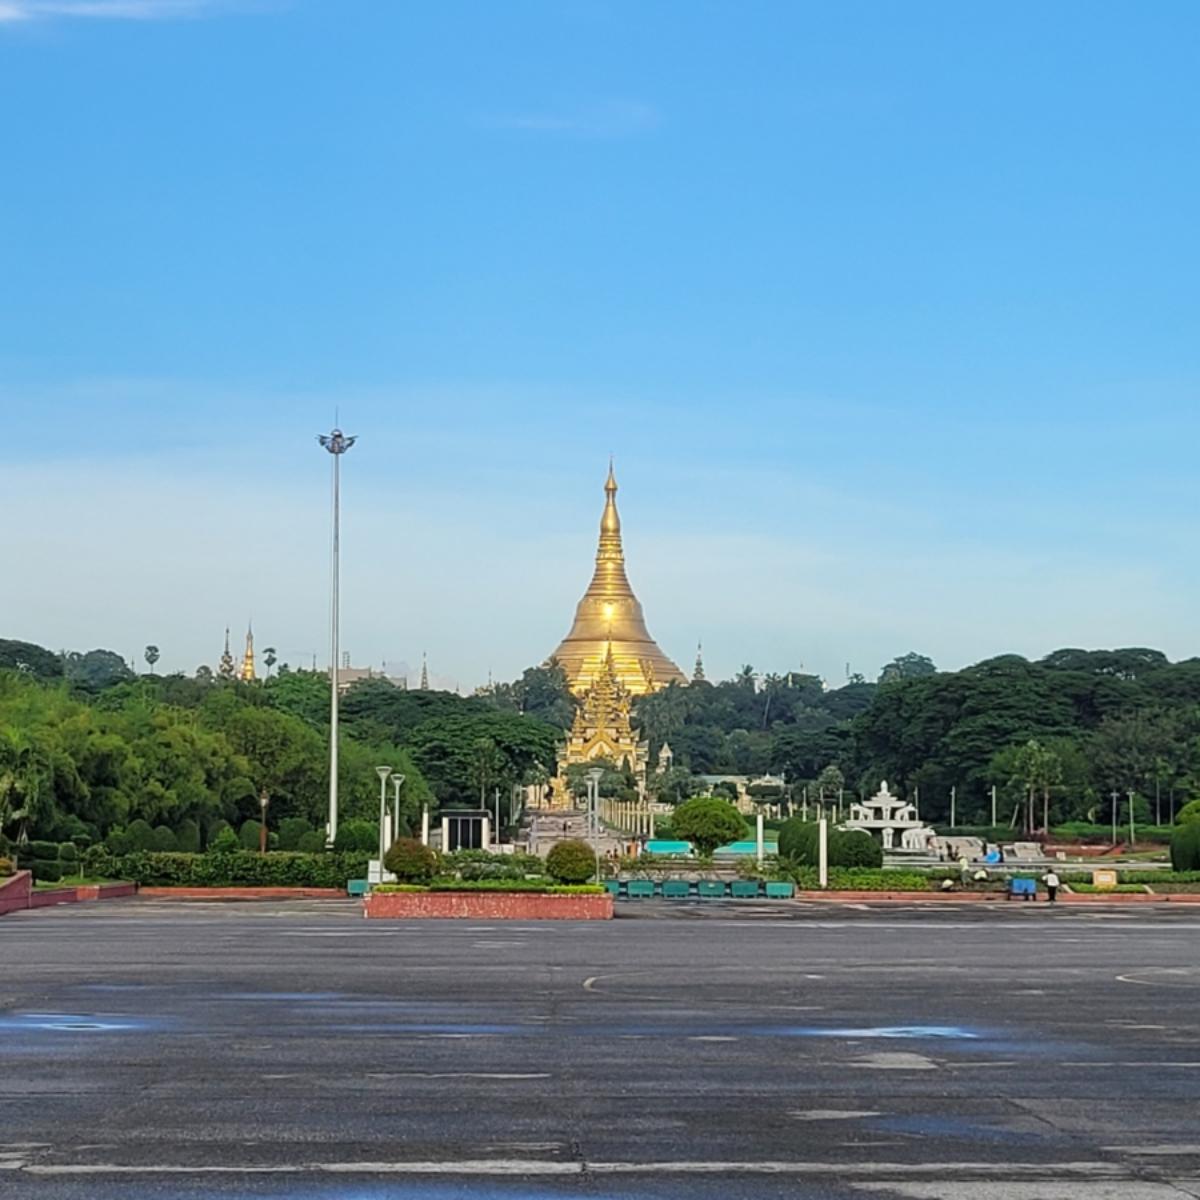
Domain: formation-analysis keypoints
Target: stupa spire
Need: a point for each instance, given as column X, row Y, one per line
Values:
column 698, row 672
column 424, row 673
column 609, row 621
column 247, row 673
column 226, row 669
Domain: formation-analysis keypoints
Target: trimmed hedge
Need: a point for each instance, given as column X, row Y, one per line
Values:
column 798, row 841
column 234, row 868
column 480, row 864
column 410, row 861
column 1185, row 847
column 572, row 861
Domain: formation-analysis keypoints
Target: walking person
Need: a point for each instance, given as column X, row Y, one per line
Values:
column 1053, row 883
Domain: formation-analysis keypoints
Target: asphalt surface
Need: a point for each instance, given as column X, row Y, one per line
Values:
column 163, row 1049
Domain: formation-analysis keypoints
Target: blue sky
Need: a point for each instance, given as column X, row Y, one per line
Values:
column 888, row 313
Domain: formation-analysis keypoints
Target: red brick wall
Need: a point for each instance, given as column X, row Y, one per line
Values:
column 14, row 892
column 491, row 906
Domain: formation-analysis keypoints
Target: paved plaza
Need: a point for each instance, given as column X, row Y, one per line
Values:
column 162, row 1049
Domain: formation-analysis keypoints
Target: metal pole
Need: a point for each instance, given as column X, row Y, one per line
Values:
column 337, row 443
column 496, row 802
column 993, row 806
column 1113, row 797
column 383, row 773
column 1132, row 829
column 823, row 852
column 263, row 801
column 953, row 802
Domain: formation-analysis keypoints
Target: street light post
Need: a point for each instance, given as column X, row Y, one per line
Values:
column 383, row 773
column 337, row 443
column 1113, row 797
column 594, row 777
column 263, row 801
column 397, row 783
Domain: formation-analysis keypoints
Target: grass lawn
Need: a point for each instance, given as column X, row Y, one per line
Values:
column 72, row 881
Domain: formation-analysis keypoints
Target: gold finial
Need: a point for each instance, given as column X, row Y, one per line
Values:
column 247, row 673
column 610, row 484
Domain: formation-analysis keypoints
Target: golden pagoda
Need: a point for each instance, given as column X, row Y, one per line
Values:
column 246, row 672
column 609, row 633
column 601, row 730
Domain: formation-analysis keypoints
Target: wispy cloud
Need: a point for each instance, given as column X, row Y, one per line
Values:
column 601, row 119
column 112, row 10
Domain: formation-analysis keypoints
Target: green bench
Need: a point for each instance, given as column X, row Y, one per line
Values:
column 710, row 889
column 639, row 889
column 357, row 887
column 676, row 889
column 780, row 891
column 612, row 887
column 744, row 889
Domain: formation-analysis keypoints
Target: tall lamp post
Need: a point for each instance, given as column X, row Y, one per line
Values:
column 337, row 443
column 594, row 777
column 383, row 773
column 397, row 783
column 263, row 800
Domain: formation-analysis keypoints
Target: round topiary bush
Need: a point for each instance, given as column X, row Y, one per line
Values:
column 854, row 848
column 68, row 853
column 6, row 867
column 410, row 861
column 573, row 861
column 1188, row 813
column 45, row 871
column 1185, row 847
column 798, row 841
column 707, row 823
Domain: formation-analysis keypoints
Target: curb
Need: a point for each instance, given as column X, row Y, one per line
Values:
column 1002, row 897
column 242, row 893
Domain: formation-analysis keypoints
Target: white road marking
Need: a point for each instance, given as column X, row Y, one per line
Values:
column 831, row 1114
column 958, row 1171
column 898, row 1061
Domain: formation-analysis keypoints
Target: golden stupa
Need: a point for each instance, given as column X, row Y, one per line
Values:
column 609, row 633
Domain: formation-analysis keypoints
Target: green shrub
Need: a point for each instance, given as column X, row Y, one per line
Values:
column 240, row 868
column 1185, row 847
column 43, row 850
column 798, row 841
column 46, row 871
column 410, row 860
column 163, row 839
column 68, row 854
column 140, row 835
column 707, row 823
column 480, row 864
column 117, row 842
column 291, row 830
column 311, row 842
column 854, row 848
column 572, row 861
column 357, row 835
column 1188, row 813
column 187, row 837
column 248, row 834
column 214, row 831
column 97, row 862
column 225, row 842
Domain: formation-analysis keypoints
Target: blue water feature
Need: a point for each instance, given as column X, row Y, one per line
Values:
column 663, row 846
column 667, row 846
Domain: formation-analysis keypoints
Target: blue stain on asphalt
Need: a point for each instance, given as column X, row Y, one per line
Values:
column 69, row 1023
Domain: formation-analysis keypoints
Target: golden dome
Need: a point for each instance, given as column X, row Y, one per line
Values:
column 608, row 620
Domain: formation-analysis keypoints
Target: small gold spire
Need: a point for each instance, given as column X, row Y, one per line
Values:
column 247, row 673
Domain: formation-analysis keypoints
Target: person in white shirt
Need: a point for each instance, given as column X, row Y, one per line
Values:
column 1053, row 883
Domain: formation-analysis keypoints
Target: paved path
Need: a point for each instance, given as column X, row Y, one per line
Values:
column 153, row 1048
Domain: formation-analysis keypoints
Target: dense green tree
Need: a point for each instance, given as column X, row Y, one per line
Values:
column 707, row 823
column 907, row 666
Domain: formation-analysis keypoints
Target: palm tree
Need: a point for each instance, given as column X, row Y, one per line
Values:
column 152, row 657
column 270, row 658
